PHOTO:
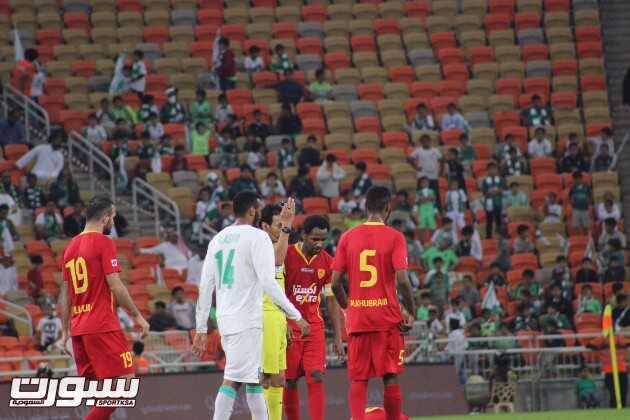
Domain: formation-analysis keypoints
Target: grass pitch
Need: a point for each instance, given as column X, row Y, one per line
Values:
column 548, row 415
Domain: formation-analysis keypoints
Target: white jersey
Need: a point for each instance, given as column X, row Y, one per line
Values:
column 239, row 266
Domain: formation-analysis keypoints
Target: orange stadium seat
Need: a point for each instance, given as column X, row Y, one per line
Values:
column 527, row 20
column 402, row 74
column 234, row 32
column 535, row 52
column 565, row 67
column 557, row 5
column 371, row 91
column 416, row 8
column 14, row 151
column 284, row 30
column 497, row 22
column 49, row 37
column 362, row 43
column 386, row 26
column 481, row 55
column 309, row 45
column 315, row 126
column 213, row 16
column 501, row 6
column 593, row 82
column 588, row 34
column 314, row 13
column 369, row 156
column 315, row 205
column 129, row 6
column 443, row 40
column 77, row 20
column 337, row 60
column 537, row 85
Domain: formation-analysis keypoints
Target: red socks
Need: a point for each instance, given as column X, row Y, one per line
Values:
column 393, row 402
column 100, row 413
column 316, row 400
column 358, row 398
column 291, row 402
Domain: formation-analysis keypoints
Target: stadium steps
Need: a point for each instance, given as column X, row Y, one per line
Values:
column 615, row 18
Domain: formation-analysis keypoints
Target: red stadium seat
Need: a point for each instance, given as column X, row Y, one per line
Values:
column 386, row 26
column 395, row 139
column 527, row 20
column 212, row 16
column 315, row 126
column 497, row 22
column 450, row 56
column 567, row 100
column 314, row 13
column 342, row 155
column 537, row 85
column 284, row 30
column 84, row 68
column 481, row 55
column 239, row 96
column 593, row 83
column 310, row 110
column 55, row 87
column 508, row 87
column 588, row 34
column 443, row 40
column 369, row 156
column 379, row 172
column 196, row 162
column 49, row 37
column 362, row 43
column 336, row 60
column 535, row 52
column 14, row 151
column 456, row 72
column 156, row 34
column 206, row 33
column 402, row 74
column 73, row 120
column 543, row 166
column 129, row 6
column 77, row 20
column 501, row 6
column 368, row 124
column 439, row 104
column 309, row 45
column 451, row 88
column 234, row 32
column 371, row 91
column 416, row 8
column 506, row 119
column 557, row 5
column 315, row 205
column 564, row 67
column 264, row 79
column 423, row 90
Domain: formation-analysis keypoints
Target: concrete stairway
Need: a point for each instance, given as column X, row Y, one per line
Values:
column 615, row 25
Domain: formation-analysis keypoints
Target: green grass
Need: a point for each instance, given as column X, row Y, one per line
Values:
column 549, row 415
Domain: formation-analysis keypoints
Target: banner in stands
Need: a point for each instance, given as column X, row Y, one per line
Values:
column 428, row 390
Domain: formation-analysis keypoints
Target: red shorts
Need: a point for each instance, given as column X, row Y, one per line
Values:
column 307, row 355
column 375, row 354
column 102, row 355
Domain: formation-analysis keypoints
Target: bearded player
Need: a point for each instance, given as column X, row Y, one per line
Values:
column 277, row 222
column 89, row 292
column 374, row 257
column 307, row 276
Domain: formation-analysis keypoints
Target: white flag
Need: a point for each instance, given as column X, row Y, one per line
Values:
column 491, row 302
column 17, row 45
column 216, row 57
column 119, row 83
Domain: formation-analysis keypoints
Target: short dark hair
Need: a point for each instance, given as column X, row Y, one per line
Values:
column 315, row 222
column 468, row 230
column 377, row 199
column 453, row 324
column 610, row 221
column 361, row 166
column 160, row 304
column 138, row 347
column 244, row 201
column 267, row 213
column 528, row 273
column 4, row 207
column 522, row 229
column 176, row 289
column 138, row 53
column 330, row 157
column 224, row 41
column 587, row 286
column 37, row 259
column 98, row 206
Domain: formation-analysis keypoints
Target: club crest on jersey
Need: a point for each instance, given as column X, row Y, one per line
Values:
column 114, row 262
column 321, row 273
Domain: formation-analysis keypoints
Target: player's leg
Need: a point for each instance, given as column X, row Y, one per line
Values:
column 291, row 397
column 274, row 361
column 314, row 367
column 224, row 402
column 392, row 397
column 388, row 366
column 250, row 363
column 358, row 370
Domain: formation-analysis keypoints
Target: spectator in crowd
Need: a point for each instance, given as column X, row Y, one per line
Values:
column 288, row 123
column 166, row 147
column 347, row 203
column 7, row 227
column 147, row 155
column 453, row 168
column 492, row 186
column 226, row 216
column 49, row 224
column 580, row 195
column 488, row 323
column 206, row 212
column 48, row 158
column 608, row 208
column 172, row 111
column 246, row 181
column 121, row 82
column 362, row 182
column 254, row 63
column 280, row 62
column 256, row 156
column 421, row 121
column 438, row 288
column 536, row 115
column 183, row 310
column 224, row 109
column 147, row 108
column 456, row 201
column 442, row 250
column 195, row 264
column 259, row 128
column 174, row 252
column 609, row 232
column 320, row 89
column 586, row 273
column 225, row 65
column 555, row 318
column 122, row 111
column 289, row 90
column 586, row 390
column 527, row 284
column 469, row 294
column 427, row 160
column 179, row 162
column 496, row 276
column 603, row 161
column 523, row 243
column 34, row 279
column 64, row 191
column 467, row 153
column 6, row 238
column 13, row 213
column 200, row 137
column 272, row 186
column 539, row 147
column 552, row 210
column 48, row 329
column 301, row 185
column 453, row 120
column 514, row 164
column 33, row 194
column 557, row 299
column 286, row 154
column 226, row 156
column 7, row 187
column 574, row 160
column 470, row 244
column 25, row 71
column 423, row 306
column 161, row 320
column 525, row 319
column 200, row 109
column 310, row 155
column 615, row 271
column 12, row 129
column 455, row 311
column 503, row 149
column 95, row 133
column 588, row 302
column 138, row 73
column 354, row 219
column 231, row 126
column 154, row 127
column 141, row 364
column 74, row 220
column 104, row 115
column 329, row 175
column 447, row 230
column 605, row 137
column 457, row 345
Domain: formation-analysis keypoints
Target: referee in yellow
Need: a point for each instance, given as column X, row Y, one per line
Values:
column 277, row 221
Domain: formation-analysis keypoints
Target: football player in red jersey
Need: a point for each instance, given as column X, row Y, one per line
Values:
column 307, row 276
column 90, row 289
column 374, row 257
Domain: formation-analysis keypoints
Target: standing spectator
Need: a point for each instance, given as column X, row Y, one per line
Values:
column 74, row 220
column 246, row 181
column 492, row 186
column 94, row 132
column 427, row 160
column 421, row 121
column 12, row 129
column 536, row 115
column 457, row 345
column 574, row 160
column 259, row 128
column 172, row 112
column 138, row 73
column 469, row 294
column 456, row 203
column 320, row 90
column 122, row 111
column 289, row 90
column 426, row 206
column 272, row 186
column 605, row 137
column 254, row 62
column 24, row 72
column 174, row 252
column 183, row 310
column 200, row 137
column 7, row 187
column 256, row 156
column 310, row 155
column 608, row 208
column 224, row 109
column 329, row 175
column 580, row 195
column 301, row 185
column 200, row 109
column 603, row 161
column 286, row 154
column 280, row 62
column 161, row 320
column 7, row 227
column 147, row 109
column 105, row 116
column 539, row 146
column 288, row 123
column 48, row 159
column 64, row 191
column 48, row 224
column 362, row 182
column 33, row 195
column 467, row 153
column 121, row 82
column 454, row 170
column 453, row 120
column 48, row 328
column 225, row 67
column 195, row 265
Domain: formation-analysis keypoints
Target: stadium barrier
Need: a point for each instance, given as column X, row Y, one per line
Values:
column 87, row 157
column 146, row 198
column 34, row 117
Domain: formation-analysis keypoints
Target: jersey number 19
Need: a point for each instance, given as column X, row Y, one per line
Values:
column 226, row 273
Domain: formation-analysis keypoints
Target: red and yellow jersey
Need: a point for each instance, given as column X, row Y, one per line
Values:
column 304, row 280
column 87, row 260
column 371, row 254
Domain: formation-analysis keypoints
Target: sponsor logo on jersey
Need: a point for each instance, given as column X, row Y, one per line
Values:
column 114, row 262
column 305, row 294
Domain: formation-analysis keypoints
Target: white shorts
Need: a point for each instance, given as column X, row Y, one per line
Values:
column 243, row 356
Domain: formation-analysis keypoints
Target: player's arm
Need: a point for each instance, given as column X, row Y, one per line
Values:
column 400, row 263
column 65, row 312
column 286, row 219
column 333, row 313
column 204, row 303
column 406, row 291
column 338, row 289
column 119, row 291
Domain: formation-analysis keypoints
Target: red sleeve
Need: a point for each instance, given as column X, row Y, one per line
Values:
column 339, row 261
column 328, row 276
column 109, row 260
column 399, row 254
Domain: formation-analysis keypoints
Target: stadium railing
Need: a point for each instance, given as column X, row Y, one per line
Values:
column 17, row 313
column 146, row 198
column 87, row 157
column 35, row 118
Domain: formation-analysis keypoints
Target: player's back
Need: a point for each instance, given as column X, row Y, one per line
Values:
column 231, row 254
column 371, row 254
column 87, row 260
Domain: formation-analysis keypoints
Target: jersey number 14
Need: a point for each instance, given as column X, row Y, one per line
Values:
column 226, row 268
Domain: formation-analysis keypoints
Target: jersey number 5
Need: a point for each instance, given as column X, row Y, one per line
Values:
column 368, row 268
column 226, row 273
column 79, row 274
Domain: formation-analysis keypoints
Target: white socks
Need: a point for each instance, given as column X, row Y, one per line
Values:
column 256, row 402
column 224, row 403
